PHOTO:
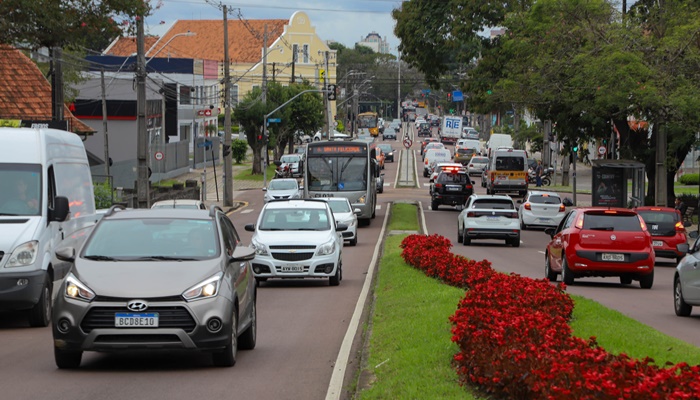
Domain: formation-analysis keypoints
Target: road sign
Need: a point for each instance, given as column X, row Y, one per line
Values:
column 274, row 120
column 206, row 143
column 407, row 143
column 602, row 150
column 457, row 96
column 158, row 155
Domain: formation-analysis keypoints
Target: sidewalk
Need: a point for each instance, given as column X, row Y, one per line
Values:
column 215, row 184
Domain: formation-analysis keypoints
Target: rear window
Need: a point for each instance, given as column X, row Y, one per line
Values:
column 447, row 177
column 612, row 222
column 510, row 163
column 480, row 160
column 494, row 204
column 545, row 199
column 658, row 217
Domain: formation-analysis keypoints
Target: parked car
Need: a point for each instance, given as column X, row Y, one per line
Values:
column 344, row 214
column 452, row 187
column 597, row 241
column 300, row 138
column 284, row 188
column 541, row 208
column 686, row 279
column 297, row 239
column 187, row 204
column 476, row 165
column 489, row 217
column 176, row 279
column 667, row 229
column 388, row 152
column 335, row 135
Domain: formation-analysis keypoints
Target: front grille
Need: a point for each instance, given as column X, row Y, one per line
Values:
column 280, row 197
column 312, row 247
column 292, row 256
column 168, row 317
column 110, row 299
column 137, row 339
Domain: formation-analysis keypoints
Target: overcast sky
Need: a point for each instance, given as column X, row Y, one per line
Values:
column 344, row 21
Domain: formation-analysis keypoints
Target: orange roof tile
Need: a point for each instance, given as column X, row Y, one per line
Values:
column 25, row 93
column 208, row 43
column 126, row 46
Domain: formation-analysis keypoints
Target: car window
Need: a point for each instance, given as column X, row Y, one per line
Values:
column 278, row 184
column 493, row 204
column 229, row 235
column 541, row 199
column 567, row 221
column 658, row 217
column 294, row 220
column 507, row 163
column 290, row 158
column 452, row 178
column 612, row 222
column 339, row 206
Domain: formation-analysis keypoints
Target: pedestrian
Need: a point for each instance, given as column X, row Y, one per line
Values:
column 538, row 174
column 681, row 206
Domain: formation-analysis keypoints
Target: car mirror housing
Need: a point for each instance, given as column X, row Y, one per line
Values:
column 250, row 227
column 243, row 253
column 683, row 248
column 341, row 228
column 66, row 254
column 550, row 232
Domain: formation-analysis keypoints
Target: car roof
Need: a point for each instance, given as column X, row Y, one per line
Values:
column 296, row 203
column 177, row 201
column 656, row 208
column 492, row 196
column 144, row 213
column 541, row 192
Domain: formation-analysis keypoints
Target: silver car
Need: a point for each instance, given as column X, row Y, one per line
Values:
column 686, row 280
column 157, row 279
column 541, row 208
column 286, row 188
column 344, row 214
column 476, row 165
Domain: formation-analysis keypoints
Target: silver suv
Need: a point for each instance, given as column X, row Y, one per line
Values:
column 297, row 239
column 489, row 217
column 157, row 279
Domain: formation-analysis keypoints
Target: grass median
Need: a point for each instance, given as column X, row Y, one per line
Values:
column 410, row 349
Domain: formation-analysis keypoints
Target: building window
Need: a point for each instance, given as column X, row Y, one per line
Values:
column 255, row 87
column 234, row 95
column 186, row 94
column 306, row 54
column 295, row 52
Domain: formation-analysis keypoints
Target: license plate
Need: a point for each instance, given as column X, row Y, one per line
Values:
column 292, row 268
column 492, row 218
column 502, row 177
column 134, row 320
column 613, row 257
column 453, row 188
column 657, row 243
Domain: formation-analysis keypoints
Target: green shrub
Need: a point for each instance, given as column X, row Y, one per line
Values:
column 238, row 150
column 103, row 195
column 690, row 179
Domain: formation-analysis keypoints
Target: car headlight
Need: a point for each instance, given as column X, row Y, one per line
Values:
column 205, row 289
column 326, row 248
column 361, row 200
column 77, row 290
column 24, row 254
column 260, row 248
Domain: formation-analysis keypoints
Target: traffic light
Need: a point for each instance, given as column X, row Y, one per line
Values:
column 575, row 148
column 449, row 96
column 331, row 92
column 489, row 92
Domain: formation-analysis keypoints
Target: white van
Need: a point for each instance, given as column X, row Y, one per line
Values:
column 507, row 172
column 498, row 140
column 44, row 177
column 433, row 156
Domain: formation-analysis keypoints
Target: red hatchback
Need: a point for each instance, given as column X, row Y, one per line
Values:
column 665, row 224
column 598, row 241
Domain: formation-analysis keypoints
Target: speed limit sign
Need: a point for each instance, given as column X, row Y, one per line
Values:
column 158, row 155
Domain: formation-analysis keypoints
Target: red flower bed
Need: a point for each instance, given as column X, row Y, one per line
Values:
column 515, row 340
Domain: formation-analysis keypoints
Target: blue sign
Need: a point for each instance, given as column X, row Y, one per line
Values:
column 457, row 96
column 206, row 143
column 426, row 91
column 274, row 120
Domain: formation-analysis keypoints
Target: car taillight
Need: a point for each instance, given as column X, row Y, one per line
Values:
column 468, row 186
column 438, row 186
column 471, row 214
column 642, row 223
column 527, row 206
column 471, row 165
column 511, row 215
column 679, row 226
column 562, row 208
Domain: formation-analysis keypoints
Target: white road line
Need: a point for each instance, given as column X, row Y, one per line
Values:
column 250, row 210
column 539, row 251
column 378, row 207
column 335, row 386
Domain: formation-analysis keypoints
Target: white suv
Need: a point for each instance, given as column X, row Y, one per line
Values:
column 489, row 217
column 297, row 239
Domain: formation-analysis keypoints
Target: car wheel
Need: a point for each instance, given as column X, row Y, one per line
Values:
column 227, row 356
column 567, row 276
column 434, row 205
column 353, row 242
column 40, row 314
column 465, row 240
column 425, row 174
column 625, row 280
column 551, row 275
column 523, row 226
column 515, row 242
column 459, row 235
column 682, row 308
column 381, row 189
column 67, row 359
column 646, row 281
column 335, row 279
column 248, row 337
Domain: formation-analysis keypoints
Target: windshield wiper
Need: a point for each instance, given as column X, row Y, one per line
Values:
column 100, row 258
column 603, row 228
column 8, row 214
column 164, row 258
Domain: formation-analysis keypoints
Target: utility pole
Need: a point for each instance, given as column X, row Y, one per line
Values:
column 398, row 91
column 142, row 185
column 326, row 102
column 228, row 168
column 660, row 195
column 104, row 122
column 263, row 156
column 57, row 83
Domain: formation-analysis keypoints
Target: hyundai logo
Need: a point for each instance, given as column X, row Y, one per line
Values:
column 137, row 305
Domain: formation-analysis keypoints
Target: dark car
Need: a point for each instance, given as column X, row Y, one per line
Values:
column 451, row 187
column 424, row 129
column 667, row 230
column 600, row 241
column 435, row 121
column 388, row 152
column 175, row 279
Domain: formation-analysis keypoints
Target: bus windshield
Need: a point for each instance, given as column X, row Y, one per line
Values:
column 331, row 173
column 367, row 121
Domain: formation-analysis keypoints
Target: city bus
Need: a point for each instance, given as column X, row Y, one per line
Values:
column 343, row 169
column 368, row 123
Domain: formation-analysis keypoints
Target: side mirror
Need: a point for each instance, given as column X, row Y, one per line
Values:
column 243, row 253
column 60, row 209
column 550, row 232
column 341, row 228
column 250, row 227
column 357, row 211
column 66, row 254
column 264, row 189
column 683, row 248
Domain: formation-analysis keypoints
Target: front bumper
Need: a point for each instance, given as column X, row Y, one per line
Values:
column 314, row 267
column 21, row 290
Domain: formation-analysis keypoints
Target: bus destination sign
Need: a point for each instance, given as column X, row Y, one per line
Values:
column 336, row 149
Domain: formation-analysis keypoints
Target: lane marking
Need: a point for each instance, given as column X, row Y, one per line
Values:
column 250, row 210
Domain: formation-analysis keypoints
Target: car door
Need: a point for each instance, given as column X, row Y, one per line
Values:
column 237, row 270
column 691, row 275
column 558, row 243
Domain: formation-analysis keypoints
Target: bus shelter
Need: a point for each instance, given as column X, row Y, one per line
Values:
column 610, row 183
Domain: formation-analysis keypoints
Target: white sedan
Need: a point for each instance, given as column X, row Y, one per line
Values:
column 541, row 208
column 488, row 217
column 344, row 214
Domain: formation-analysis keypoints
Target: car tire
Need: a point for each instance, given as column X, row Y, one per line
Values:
column 523, row 227
column 515, row 242
column 40, row 314
column 335, row 279
column 227, row 356
column 567, row 276
column 465, row 240
column 548, row 272
column 681, row 308
column 248, row 338
column 67, row 359
column 459, row 235
column 353, row 242
column 646, row 281
column 381, row 189
column 625, row 280
column 434, row 205
column 425, row 174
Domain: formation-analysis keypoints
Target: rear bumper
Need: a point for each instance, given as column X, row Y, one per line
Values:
column 481, row 233
column 452, row 200
column 590, row 263
column 669, row 248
